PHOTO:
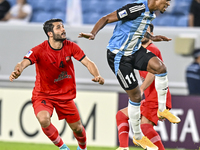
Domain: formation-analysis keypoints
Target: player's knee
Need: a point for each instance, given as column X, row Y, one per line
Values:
column 77, row 128
column 136, row 97
column 44, row 121
column 160, row 68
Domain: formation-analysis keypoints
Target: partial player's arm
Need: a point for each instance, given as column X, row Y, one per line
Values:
column 147, row 82
column 112, row 17
column 93, row 70
column 156, row 38
column 126, row 12
column 19, row 68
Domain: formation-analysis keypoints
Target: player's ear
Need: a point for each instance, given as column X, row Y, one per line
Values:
column 50, row 34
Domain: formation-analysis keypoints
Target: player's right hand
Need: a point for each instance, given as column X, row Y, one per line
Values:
column 89, row 36
column 15, row 74
column 98, row 79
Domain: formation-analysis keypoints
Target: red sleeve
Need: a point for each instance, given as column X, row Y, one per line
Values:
column 31, row 56
column 77, row 52
column 155, row 50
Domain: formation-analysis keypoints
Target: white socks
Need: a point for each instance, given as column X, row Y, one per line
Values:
column 161, row 85
column 134, row 117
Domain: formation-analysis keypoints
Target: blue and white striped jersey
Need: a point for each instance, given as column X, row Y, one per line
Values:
column 133, row 22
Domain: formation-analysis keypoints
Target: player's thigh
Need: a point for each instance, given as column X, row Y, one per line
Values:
column 123, row 69
column 67, row 110
column 141, row 59
column 42, row 104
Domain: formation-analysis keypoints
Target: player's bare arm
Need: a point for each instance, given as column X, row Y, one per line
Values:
column 93, row 70
column 147, row 82
column 19, row 68
column 156, row 38
column 112, row 17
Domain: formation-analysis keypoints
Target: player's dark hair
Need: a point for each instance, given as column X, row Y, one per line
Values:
column 48, row 25
column 151, row 27
column 196, row 53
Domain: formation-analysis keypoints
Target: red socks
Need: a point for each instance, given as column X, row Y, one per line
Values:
column 81, row 138
column 52, row 133
column 123, row 129
column 152, row 135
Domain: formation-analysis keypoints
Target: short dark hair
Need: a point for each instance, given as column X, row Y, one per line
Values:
column 151, row 27
column 48, row 25
column 196, row 53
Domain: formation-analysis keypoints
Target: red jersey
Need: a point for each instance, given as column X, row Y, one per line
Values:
column 54, row 69
column 150, row 93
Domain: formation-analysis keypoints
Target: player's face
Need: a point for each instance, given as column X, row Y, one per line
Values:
column 59, row 33
column 163, row 4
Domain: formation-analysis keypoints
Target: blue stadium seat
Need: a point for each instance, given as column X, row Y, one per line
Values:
column 60, row 15
column 181, row 8
column 115, row 5
column 91, row 18
column 182, row 21
column 41, row 16
column 33, row 4
column 60, row 6
column 44, row 5
column 92, row 6
column 12, row 2
column 166, row 20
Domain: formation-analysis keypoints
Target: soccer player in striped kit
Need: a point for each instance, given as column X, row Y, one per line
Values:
column 125, row 53
column 149, row 105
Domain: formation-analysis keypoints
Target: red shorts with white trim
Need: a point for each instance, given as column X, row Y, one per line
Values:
column 149, row 110
column 65, row 109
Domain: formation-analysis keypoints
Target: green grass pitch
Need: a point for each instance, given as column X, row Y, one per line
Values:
column 34, row 146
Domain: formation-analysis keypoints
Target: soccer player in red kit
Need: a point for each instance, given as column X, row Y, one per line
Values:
column 149, row 105
column 55, row 85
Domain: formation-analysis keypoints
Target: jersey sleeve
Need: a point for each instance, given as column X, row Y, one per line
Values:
column 31, row 56
column 130, row 11
column 77, row 52
column 192, row 7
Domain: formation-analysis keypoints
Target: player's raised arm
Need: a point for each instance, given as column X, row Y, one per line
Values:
column 112, row 17
column 147, row 82
column 93, row 70
column 19, row 68
column 156, row 38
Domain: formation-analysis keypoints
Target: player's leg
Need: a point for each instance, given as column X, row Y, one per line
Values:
column 69, row 112
column 157, row 67
column 123, row 128
column 134, row 111
column 152, row 135
column 50, row 130
column 79, row 134
column 43, row 110
column 123, row 69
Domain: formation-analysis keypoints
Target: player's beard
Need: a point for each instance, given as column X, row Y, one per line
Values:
column 145, row 40
column 58, row 37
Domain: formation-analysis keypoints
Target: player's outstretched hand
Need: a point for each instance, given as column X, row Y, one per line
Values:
column 98, row 79
column 159, row 38
column 15, row 74
column 89, row 36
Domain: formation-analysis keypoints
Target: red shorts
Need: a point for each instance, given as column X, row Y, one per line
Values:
column 65, row 109
column 149, row 110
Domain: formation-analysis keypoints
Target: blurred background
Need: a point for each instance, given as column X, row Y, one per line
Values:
column 97, row 104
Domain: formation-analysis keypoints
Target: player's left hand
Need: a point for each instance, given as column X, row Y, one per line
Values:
column 98, row 79
column 159, row 38
column 89, row 36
